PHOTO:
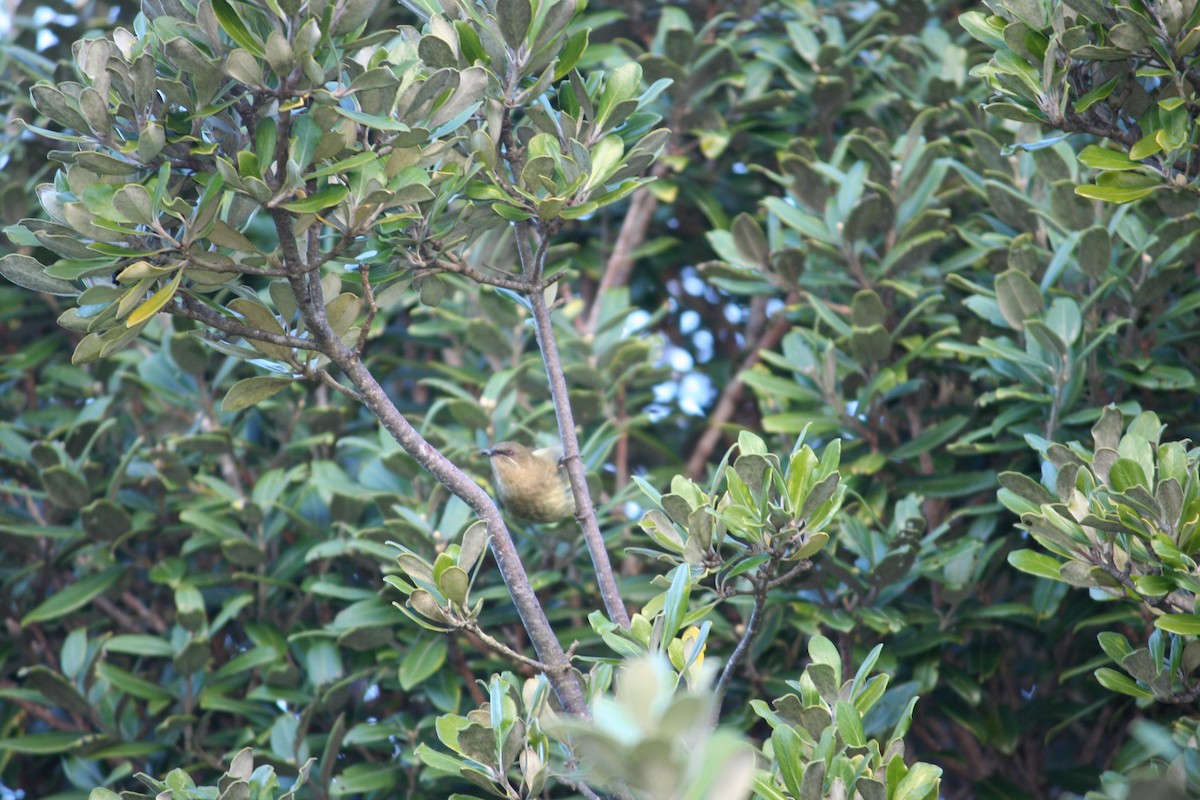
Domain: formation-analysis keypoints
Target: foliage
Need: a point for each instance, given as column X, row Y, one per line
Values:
column 1123, row 522
column 1117, row 70
column 820, row 740
column 292, row 205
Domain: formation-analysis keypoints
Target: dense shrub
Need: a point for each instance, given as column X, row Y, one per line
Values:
column 323, row 253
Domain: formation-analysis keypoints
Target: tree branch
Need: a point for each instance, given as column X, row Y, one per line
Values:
column 585, row 512
column 761, row 581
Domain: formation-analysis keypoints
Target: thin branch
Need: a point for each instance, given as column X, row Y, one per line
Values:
column 743, row 647
column 447, row 262
column 501, row 648
column 802, row 565
column 580, row 787
column 157, row 623
column 585, row 511
column 117, row 615
column 461, row 667
column 238, row 269
column 1186, row 696
column 191, row 309
column 324, row 377
column 364, row 273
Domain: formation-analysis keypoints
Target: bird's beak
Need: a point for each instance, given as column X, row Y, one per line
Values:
column 486, row 452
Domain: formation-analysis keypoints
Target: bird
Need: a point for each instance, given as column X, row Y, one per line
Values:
column 532, row 485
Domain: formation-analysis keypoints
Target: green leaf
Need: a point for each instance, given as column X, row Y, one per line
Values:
column 1186, row 624
column 849, row 724
column 1019, row 297
column 620, row 84
column 42, row 744
column 1119, row 682
column 252, row 391
column 73, row 596
column 132, row 684
column 676, row 604
column 986, row 28
column 930, row 438
column 140, row 645
column 921, row 783
column 1095, row 96
column 319, row 200
column 514, row 17
column 28, row 273
column 1114, row 194
column 231, row 23
column 1125, row 474
column 1035, row 563
column 425, row 657
column 1102, row 158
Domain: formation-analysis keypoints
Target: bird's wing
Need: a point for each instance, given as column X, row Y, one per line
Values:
column 554, row 452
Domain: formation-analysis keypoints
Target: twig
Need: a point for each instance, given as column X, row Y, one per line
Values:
column 743, row 647
column 464, row 671
column 324, row 377
column 364, row 272
column 501, row 648
column 447, row 262
column 152, row 619
column 117, row 615
column 585, row 511
column 191, row 309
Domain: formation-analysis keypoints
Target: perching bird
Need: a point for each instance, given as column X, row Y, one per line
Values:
column 531, row 484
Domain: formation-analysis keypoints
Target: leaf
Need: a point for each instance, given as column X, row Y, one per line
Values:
column 986, row 28
column 42, row 744
column 156, row 302
column 1115, row 194
column 1185, row 624
column 1102, row 158
column 1019, row 297
column 750, row 240
column 252, row 391
column 74, row 596
column 65, row 486
column 319, row 200
column 849, row 724
column 424, row 658
column 1096, row 95
column 930, row 438
column 514, row 17
column 1035, row 563
column 921, row 783
column 28, row 273
column 1118, row 682
column 231, row 23
column 676, row 603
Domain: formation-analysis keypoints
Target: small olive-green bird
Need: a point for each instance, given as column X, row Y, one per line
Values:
column 531, row 484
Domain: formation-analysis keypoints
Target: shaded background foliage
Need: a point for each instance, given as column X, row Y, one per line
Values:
column 840, row 240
